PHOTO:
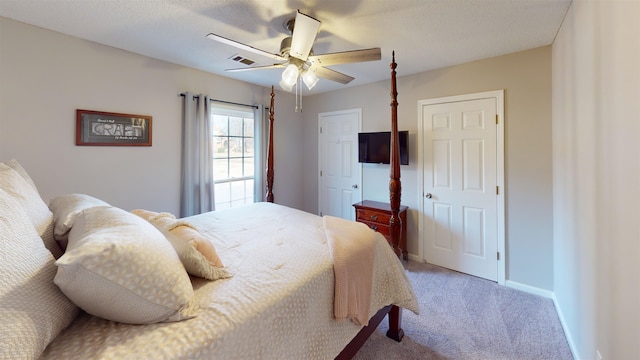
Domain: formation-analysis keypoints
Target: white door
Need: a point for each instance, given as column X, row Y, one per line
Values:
column 340, row 171
column 462, row 178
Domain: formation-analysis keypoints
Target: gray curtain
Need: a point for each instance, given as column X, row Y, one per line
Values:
column 196, row 182
column 260, row 144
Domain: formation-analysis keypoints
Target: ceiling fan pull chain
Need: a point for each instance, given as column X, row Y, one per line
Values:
column 300, row 87
column 298, row 96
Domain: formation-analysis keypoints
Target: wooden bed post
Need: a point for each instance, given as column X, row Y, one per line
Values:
column 270, row 152
column 394, row 312
column 395, row 186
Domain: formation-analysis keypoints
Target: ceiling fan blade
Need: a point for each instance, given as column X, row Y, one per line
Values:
column 245, row 47
column 346, row 57
column 332, row 75
column 274, row 66
column 305, row 30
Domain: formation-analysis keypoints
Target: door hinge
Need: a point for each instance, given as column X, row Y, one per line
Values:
column 320, row 172
column 498, row 255
column 496, row 118
column 320, row 129
column 497, row 190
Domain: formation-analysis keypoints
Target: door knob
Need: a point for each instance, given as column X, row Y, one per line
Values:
column 428, row 196
column 355, row 186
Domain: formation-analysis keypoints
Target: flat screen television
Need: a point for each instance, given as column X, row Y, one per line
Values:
column 374, row 147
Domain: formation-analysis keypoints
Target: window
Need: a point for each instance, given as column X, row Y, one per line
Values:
column 233, row 157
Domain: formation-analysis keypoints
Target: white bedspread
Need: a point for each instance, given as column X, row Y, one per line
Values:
column 278, row 304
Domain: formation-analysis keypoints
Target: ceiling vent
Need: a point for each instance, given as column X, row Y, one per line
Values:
column 242, row 59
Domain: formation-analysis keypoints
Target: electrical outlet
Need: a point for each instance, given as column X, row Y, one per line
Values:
column 598, row 355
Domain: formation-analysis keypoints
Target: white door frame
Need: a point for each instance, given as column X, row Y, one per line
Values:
column 321, row 117
column 500, row 213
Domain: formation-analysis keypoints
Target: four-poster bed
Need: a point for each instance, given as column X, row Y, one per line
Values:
column 279, row 298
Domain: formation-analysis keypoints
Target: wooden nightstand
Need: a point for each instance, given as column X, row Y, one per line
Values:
column 377, row 214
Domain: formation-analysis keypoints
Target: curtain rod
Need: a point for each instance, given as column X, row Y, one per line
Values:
column 226, row 102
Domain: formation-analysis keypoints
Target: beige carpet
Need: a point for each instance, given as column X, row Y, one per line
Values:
column 468, row 318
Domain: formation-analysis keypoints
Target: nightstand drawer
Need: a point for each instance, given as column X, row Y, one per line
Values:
column 382, row 229
column 372, row 216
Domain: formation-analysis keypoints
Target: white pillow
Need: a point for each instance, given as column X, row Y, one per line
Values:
column 15, row 165
column 33, row 310
column 65, row 208
column 120, row 267
column 29, row 199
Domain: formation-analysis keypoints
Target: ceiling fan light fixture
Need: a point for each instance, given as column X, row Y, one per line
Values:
column 289, row 77
column 285, row 86
column 310, row 79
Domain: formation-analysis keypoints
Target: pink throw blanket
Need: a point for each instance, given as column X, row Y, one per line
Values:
column 352, row 248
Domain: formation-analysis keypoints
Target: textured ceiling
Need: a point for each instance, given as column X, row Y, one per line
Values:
column 425, row 34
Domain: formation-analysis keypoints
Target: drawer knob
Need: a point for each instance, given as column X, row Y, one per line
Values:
column 374, row 227
column 374, row 218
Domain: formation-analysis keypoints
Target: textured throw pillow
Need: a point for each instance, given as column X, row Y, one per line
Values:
column 29, row 199
column 15, row 165
column 65, row 208
column 32, row 308
column 197, row 253
column 120, row 267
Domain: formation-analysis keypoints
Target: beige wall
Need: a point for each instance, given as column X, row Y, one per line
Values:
column 596, row 127
column 526, row 78
column 45, row 76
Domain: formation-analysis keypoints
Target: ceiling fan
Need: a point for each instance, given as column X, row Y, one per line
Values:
column 297, row 57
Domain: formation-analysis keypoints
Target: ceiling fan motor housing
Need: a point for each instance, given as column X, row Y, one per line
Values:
column 285, row 46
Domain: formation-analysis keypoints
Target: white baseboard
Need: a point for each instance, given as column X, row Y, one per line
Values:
column 529, row 289
column 414, row 257
column 567, row 333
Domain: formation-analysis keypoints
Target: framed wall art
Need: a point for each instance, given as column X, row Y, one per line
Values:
column 98, row 128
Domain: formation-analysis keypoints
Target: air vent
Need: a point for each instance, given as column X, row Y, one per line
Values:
column 242, row 59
